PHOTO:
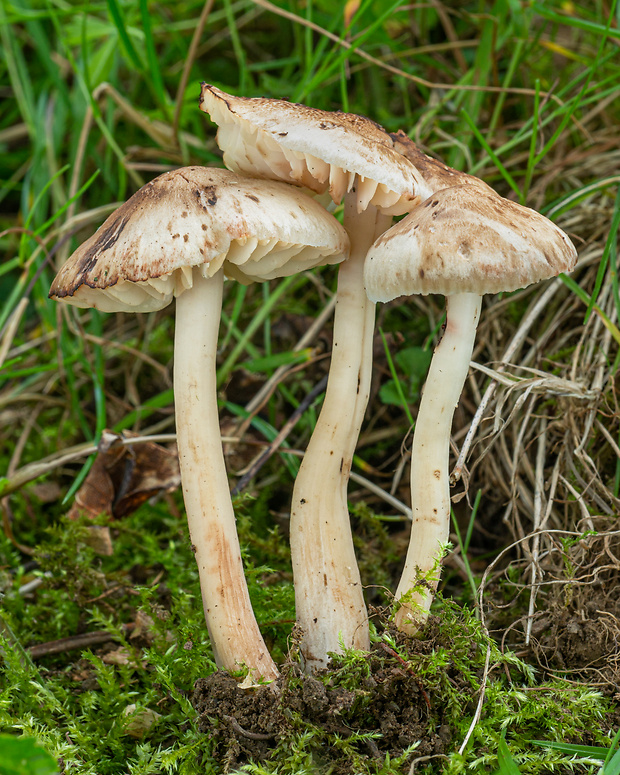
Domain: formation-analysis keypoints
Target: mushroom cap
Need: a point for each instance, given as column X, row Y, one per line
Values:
column 466, row 240
column 197, row 219
column 318, row 149
column 435, row 173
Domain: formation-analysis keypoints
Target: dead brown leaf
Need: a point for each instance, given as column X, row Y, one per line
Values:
column 123, row 477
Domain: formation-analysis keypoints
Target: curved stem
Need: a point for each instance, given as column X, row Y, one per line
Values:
column 430, row 488
column 234, row 633
column 328, row 593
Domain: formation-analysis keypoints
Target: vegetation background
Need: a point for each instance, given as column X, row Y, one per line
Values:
column 98, row 98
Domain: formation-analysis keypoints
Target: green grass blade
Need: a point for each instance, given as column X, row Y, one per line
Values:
column 18, row 72
column 395, row 377
column 237, row 48
column 594, row 751
column 154, row 69
column 610, row 247
column 531, row 160
column 268, row 363
column 330, row 67
column 507, row 765
column 577, row 101
column 161, row 400
column 269, row 432
column 117, row 17
column 44, row 227
column 285, row 285
column 612, row 760
column 573, row 21
column 79, row 479
column 613, row 766
column 587, row 300
column 491, row 153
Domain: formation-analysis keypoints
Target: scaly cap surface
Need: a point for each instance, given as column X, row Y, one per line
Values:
column 466, row 240
column 197, row 219
column 435, row 173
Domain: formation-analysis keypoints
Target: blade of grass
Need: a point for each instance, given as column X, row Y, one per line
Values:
column 610, row 246
column 396, row 379
column 491, row 153
column 153, row 62
column 558, row 205
column 613, row 754
column 268, row 363
column 288, row 283
column 573, row 21
column 18, row 73
column 580, row 293
column 69, row 202
column 331, row 66
column 237, row 48
column 95, row 108
column 515, row 60
column 464, row 545
column 231, row 323
column 531, row 160
column 523, row 134
column 595, row 751
column 577, row 102
column 269, row 432
column 612, row 766
column 117, row 17
column 507, row 765
column 154, row 404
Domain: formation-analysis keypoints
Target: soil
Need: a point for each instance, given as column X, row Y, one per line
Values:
column 575, row 631
column 383, row 696
column 575, row 635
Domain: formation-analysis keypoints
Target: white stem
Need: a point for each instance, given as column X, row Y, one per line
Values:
column 234, row 633
column 329, row 598
column 430, row 488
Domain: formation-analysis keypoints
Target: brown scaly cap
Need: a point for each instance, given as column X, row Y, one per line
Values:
column 435, row 173
column 197, row 219
column 466, row 240
column 318, row 149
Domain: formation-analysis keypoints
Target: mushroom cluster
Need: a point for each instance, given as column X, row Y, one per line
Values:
column 353, row 160
column 177, row 238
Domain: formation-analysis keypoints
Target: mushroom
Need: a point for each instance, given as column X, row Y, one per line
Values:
column 177, row 237
column 461, row 242
column 351, row 158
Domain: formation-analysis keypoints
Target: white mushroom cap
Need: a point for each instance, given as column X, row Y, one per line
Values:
column 197, row 219
column 318, row 149
column 466, row 240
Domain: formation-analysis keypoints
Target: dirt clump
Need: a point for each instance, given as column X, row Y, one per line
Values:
column 575, row 628
column 378, row 703
column 581, row 637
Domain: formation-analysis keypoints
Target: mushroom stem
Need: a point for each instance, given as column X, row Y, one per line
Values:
column 430, row 489
column 329, row 598
column 234, row 632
